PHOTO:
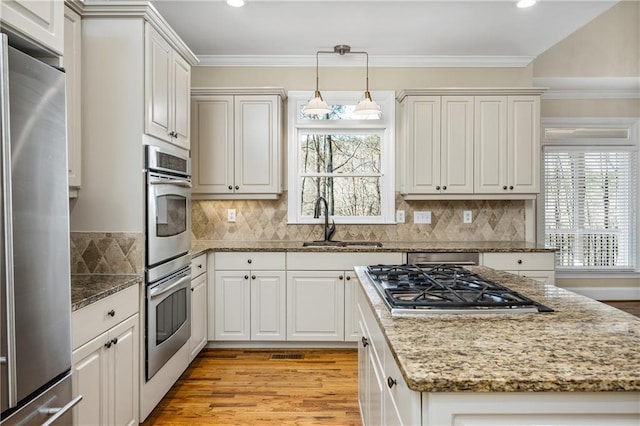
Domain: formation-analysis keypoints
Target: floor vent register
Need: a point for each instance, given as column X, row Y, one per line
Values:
column 286, row 356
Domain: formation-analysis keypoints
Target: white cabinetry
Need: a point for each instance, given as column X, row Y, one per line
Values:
column 72, row 63
column 198, row 338
column 507, row 144
column 538, row 266
column 250, row 296
column 167, row 85
column 236, row 142
column 475, row 143
column 35, row 22
column 106, row 360
column 320, row 294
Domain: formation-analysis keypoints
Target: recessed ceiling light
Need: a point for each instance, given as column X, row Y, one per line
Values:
column 526, row 3
column 235, row 3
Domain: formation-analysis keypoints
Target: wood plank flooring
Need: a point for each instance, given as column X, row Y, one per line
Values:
column 241, row 387
column 630, row 306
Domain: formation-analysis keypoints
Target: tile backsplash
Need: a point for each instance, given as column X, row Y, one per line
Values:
column 266, row 220
column 107, row 253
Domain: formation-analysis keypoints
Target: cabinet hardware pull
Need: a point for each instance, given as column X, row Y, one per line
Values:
column 504, row 187
column 391, row 382
column 253, row 277
column 365, row 341
column 249, row 260
column 519, row 261
column 108, row 344
column 114, row 340
column 191, row 290
column 237, row 187
column 200, row 266
column 230, row 188
column 511, row 187
column 438, row 188
column 246, row 277
column 340, row 277
column 111, row 313
column 348, row 278
column 444, row 188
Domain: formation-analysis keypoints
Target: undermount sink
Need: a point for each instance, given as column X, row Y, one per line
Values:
column 342, row 244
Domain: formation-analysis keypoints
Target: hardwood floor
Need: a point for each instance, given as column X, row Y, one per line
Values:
column 631, row 306
column 241, row 387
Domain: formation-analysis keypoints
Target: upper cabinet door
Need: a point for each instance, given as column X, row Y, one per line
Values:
column 257, row 150
column 422, row 150
column 38, row 21
column 71, row 62
column 490, row 144
column 524, row 144
column 456, row 156
column 181, row 100
column 158, row 83
column 212, row 149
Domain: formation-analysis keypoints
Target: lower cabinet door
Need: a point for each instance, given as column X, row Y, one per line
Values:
column 198, row 315
column 268, row 305
column 89, row 379
column 232, row 305
column 315, row 305
column 123, row 370
column 351, row 316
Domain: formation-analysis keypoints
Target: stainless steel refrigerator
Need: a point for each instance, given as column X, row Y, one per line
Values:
column 35, row 310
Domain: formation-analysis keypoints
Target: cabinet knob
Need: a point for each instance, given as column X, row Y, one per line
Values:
column 246, row 277
column 438, row 188
column 504, row 187
column 519, row 261
column 511, row 187
column 114, row 340
column 191, row 290
column 108, row 344
column 237, row 187
column 444, row 188
column 200, row 266
column 348, row 278
column 365, row 342
column 253, row 277
column 249, row 261
column 230, row 188
column 391, row 382
column 111, row 313
column 340, row 277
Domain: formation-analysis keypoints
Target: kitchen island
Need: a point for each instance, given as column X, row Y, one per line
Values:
column 577, row 365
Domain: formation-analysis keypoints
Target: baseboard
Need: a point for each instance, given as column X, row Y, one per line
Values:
column 608, row 293
column 281, row 345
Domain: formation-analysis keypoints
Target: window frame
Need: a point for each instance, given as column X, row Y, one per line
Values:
column 385, row 126
column 629, row 143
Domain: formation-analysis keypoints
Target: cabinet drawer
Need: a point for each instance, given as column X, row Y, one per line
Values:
column 250, row 260
column 92, row 320
column 198, row 265
column 519, row 261
column 339, row 261
column 404, row 401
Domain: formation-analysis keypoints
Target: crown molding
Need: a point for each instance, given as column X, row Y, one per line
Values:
column 354, row 60
column 139, row 9
column 207, row 91
column 590, row 87
column 470, row 91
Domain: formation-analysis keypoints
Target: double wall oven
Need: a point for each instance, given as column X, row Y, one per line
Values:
column 168, row 262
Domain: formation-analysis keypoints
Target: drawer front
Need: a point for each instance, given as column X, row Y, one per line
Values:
column 520, row 261
column 405, row 401
column 198, row 265
column 250, row 260
column 339, row 261
column 95, row 319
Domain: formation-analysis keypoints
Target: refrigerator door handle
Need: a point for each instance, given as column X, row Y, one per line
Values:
column 8, row 320
column 59, row 412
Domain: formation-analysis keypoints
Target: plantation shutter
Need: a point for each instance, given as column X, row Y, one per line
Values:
column 589, row 207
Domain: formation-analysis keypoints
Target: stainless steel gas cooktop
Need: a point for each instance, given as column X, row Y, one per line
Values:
column 445, row 289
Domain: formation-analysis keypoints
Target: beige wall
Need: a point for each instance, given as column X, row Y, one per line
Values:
column 608, row 46
column 627, row 108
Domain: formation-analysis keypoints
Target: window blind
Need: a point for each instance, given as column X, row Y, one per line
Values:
column 589, row 207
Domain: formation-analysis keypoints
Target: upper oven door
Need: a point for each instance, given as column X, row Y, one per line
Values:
column 168, row 217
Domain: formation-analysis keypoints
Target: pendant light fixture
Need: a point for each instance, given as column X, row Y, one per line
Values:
column 317, row 105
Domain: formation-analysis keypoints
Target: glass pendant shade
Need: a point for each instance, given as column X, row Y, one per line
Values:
column 367, row 106
column 317, row 105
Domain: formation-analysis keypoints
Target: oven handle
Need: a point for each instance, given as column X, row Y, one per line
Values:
column 462, row 262
column 159, row 291
column 175, row 182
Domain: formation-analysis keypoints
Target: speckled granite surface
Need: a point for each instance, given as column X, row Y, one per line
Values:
column 584, row 346
column 200, row 246
column 88, row 289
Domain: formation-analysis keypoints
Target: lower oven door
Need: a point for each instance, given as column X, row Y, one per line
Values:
column 168, row 318
column 168, row 217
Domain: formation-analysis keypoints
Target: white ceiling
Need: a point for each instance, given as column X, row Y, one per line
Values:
column 394, row 33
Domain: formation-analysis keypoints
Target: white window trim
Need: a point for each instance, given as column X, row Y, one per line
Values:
column 632, row 143
column 386, row 100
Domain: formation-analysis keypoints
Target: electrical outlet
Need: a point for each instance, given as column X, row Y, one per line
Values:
column 400, row 216
column 422, row 217
column 231, row 215
column 467, row 216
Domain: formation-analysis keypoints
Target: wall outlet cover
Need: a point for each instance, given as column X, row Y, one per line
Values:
column 231, row 215
column 423, row 217
column 467, row 216
column 400, row 216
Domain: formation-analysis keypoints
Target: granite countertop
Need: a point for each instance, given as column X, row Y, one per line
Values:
column 584, row 346
column 88, row 289
column 200, row 246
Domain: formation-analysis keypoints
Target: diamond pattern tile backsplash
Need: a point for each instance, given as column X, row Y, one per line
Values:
column 266, row 220
column 107, row 253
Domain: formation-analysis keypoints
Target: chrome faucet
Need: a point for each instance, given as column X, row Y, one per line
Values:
column 328, row 230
